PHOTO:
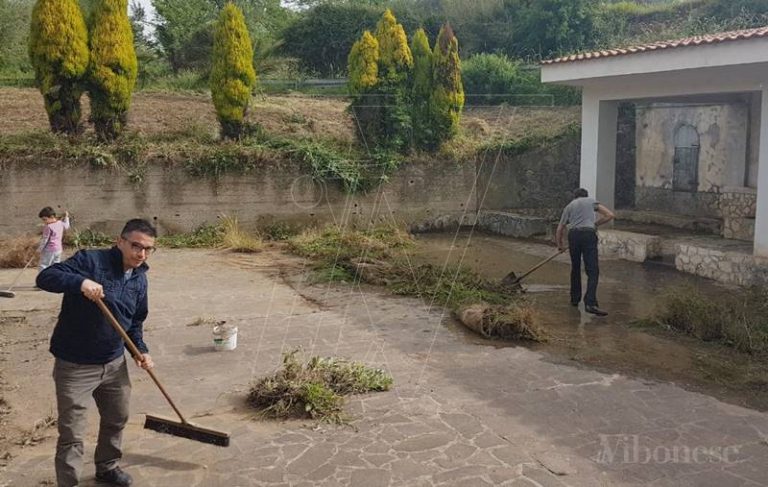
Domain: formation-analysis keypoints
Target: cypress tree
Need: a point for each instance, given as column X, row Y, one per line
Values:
column 233, row 75
column 447, row 98
column 392, row 94
column 363, row 64
column 395, row 59
column 113, row 68
column 421, row 89
column 58, row 50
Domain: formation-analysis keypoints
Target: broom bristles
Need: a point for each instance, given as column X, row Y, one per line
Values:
column 186, row 430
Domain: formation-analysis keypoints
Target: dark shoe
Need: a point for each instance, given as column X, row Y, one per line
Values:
column 595, row 311
column 116, row 476
column 574, row 303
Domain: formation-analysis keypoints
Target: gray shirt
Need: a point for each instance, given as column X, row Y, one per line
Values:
column 580, row 213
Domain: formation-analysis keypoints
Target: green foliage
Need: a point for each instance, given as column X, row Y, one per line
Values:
column 324, row 35
column 205, row 236
column 58, row 49
column 495, row 78
column 364, row 64
column 447, row 99
column 88, row 239
column 185, row 28
column 395, row 58
column 421, row 89
column 232, row 76
column 15, row 17
column 316, row 389
column 737, row 320
column 113, row 68
column 547, row 27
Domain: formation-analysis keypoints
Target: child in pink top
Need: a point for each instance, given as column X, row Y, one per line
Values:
column 50, row 245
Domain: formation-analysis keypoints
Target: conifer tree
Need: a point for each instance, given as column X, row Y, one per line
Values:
column 421, row 89
column 363, row 64
column 395, row 59
column 391, row 93
column 447, row 99
column 233, row 75
column 58, row 50
column 113, row 68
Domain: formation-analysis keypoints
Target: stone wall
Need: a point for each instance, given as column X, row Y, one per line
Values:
column 102, row 199
column 730, row 267
column 738, row 205
column 635, row 247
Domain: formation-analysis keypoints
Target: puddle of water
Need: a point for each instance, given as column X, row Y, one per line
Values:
column 629, row 292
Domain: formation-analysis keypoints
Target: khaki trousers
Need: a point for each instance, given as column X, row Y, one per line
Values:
column 110, row 386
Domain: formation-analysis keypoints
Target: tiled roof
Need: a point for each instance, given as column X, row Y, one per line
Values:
column 736, row 35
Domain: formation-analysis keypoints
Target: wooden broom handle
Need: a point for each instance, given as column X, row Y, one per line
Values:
column 541, row 264
column 136, row 353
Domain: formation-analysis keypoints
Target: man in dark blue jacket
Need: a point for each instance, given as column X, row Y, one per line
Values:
column 89, row 353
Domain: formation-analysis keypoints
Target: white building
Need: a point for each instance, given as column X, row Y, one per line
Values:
column 702, row 164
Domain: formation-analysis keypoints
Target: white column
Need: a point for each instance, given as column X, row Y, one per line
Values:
column 598, row 146
column 761, row 213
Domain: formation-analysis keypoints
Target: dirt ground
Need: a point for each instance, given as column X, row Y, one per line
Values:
column 463, row 411
column 156, row 113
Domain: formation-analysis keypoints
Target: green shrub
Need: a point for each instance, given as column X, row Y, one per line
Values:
column 113, row 68
column 232, row 76
column 58, row 49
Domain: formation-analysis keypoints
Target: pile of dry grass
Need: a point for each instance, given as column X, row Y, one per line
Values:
column 508, row 322
column 16, row 252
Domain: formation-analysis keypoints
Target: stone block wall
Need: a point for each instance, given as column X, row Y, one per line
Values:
column 721, row 265
column 512, row 225
column 737, row 206
column 630, row 246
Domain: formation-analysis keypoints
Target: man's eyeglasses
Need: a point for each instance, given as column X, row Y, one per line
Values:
column 137, row 248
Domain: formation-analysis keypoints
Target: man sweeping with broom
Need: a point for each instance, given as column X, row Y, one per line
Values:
column 89, row 352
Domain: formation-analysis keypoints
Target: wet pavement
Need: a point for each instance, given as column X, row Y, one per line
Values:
column 463, row 411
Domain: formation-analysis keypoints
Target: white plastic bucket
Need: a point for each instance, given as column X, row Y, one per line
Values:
column 224, row 337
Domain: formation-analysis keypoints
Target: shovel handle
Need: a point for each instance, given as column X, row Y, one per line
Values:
column 540, row 264
column 136, row 353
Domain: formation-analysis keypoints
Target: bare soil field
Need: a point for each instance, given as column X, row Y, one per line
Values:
column 301, row 116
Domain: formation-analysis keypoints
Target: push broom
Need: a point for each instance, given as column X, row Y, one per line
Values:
column 182, row 428
column 8, row 293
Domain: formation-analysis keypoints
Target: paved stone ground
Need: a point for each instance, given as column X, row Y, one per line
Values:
column 463, row 411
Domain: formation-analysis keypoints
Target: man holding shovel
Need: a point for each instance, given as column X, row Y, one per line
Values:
column 89, row 353
column 580, row 217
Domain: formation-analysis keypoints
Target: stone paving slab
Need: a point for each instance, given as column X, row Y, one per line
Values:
column 462, row 412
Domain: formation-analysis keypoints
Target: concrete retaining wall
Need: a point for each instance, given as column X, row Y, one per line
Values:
column 103, row 199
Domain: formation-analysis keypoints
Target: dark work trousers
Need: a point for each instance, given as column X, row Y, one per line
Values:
column 582, row 243
column 110, row 386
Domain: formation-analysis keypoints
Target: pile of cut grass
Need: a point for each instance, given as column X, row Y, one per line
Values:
column 315, row 389
column 16, row 252
column 738, row 320
column 377, row 257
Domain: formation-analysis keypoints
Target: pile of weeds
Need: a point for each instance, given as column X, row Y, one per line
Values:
column 738, row 320
column 16, row 252
column 377, row 256
column 333, row 244
column 315, row 389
